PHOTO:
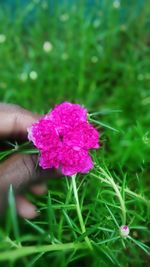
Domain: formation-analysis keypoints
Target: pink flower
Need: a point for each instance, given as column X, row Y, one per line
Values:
column 64, row 137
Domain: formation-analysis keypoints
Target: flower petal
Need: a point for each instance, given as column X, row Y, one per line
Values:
column 84, row 135
column 68, row 114
column 50, row 159
column 44, row 135
column 74, row 161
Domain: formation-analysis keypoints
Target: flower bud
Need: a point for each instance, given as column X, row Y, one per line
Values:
column 124, row 230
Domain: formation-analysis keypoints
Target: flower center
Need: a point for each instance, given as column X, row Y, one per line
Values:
column 61, row 137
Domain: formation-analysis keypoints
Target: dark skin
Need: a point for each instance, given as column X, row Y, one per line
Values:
column 20, row 170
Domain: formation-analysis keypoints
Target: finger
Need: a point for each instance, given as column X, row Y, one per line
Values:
column 21, row 171
column 39, row 189
column 24, row 208
column 15, row 120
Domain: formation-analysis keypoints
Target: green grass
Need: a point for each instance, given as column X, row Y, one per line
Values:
column 99, row 59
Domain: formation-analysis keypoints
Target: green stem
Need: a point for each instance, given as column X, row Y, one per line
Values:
column 122, row 204
column 127, row 190
column 82, row 225
column 25, row 251
column 25, row 148
column 118, row 194
column 62, row 216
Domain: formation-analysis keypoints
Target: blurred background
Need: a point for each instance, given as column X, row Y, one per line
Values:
column 92, row 52
column 95, row 53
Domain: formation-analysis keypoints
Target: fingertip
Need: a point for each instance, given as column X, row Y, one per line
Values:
column 25, row 209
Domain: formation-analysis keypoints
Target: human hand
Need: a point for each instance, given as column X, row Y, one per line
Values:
column 20, row 170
